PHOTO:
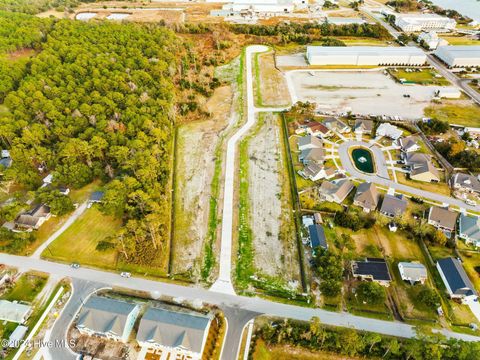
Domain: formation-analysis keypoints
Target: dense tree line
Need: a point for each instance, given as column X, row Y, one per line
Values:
column 352, row 219
column 98, row 103
column 433, row 126
column 349, row 342
column 330, row 269
column 458, row 155
column 37, row 6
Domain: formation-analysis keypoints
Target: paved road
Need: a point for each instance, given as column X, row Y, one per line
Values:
column 380, row 160
column 224, row 283
column 76, row 214
column 249, row 304
column 454, row 79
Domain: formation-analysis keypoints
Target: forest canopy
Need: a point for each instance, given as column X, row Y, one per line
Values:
column 98, row 103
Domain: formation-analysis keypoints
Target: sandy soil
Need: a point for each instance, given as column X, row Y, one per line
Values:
column 196, row 145
column 367, row 92
column 271, row 220
column 273, row 87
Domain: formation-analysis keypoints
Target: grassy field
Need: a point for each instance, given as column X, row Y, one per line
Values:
column 78, row 243
column 459, row 40
column 439, row 188
column 467, row 115
column 270, row 85
column 263, row 351
column 471, row 263
column 27, row 287
column 422, row 77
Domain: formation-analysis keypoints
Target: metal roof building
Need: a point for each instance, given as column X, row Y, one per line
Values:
column 459, row 55
column 365, row 55
column 455, row 279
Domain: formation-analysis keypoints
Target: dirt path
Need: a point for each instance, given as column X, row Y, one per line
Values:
column 271, row 212
column 273, row 87
column 195, row 163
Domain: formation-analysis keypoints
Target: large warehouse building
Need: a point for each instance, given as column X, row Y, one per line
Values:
column 424, row 22
column 365, row 55
column 459, row 56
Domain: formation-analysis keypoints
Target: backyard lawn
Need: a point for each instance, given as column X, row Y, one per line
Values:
column 439, row 188
column 27, row 287
column 471, row 263
column 459, row 40
column 467, row 115
column 78, row 243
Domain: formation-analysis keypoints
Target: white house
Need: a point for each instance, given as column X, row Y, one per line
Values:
column 412, row 272
column 430, row 38
column 14, row 312
column 389, row 130
column 106, row 317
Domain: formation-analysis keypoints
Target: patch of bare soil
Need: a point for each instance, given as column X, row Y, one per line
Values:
column 273, row 86
column 271, row 210
column 195, row 163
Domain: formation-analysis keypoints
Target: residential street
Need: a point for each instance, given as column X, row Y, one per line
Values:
column 381, row 162
column 245, row 305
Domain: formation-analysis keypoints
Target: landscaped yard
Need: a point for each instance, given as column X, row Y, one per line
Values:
column 422, row 77
column 467, row 115
column 439, row 188
column 471, row 263
column 78, row 243
column 27, row 287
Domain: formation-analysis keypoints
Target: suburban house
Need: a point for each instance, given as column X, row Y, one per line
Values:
column 335, row 124
column 33, row 219
column 14, row 312
column 412, row 272
column 309, row 142
column 421, row 167
column 106, row 317
column 363, row 126
column 389, row 130
column 335, row 191
column 393, row 205
column 317, row 236
column 408, row 144
column 456, row 279
column 315, row 155
column 366, row 197
column 47, row 180
column 181, row 335
column 5, row 160
column 443, row 219
column 315, row 172
column 469, row 229
column 465, row 182
column 372, row 269
column 473, row 132
column 317, row 129
column 95, row 198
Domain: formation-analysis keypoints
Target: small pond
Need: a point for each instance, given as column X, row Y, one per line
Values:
column 363, row 160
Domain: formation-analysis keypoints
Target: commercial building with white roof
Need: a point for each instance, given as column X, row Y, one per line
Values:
column 459, row 55
column 365, row 55
column 422, row 22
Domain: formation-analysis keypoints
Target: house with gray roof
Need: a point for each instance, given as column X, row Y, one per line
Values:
column 443, row 219
column 366, row 197
column 456, row 279
column 181, row 333
column 335, row 124
column 421, row 167
column 465, row 182
column 317, row 237
column 393, row 205
column 363, row 126
column 315, row 155
column 469, row 229
column 408, row 144
column 335, row 191
column 33, row 219
column 412, row 272
column 14, row 312
column 106, row 317
column 309, row 142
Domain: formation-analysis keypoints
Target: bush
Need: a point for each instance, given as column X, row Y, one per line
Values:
column 353, row 220
column 429, row 298
column 371, row 293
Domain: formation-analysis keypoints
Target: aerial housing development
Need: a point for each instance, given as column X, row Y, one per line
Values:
column 239, row 179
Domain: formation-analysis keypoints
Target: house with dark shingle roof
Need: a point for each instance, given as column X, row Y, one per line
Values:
column 465, row 182
column 106, row 317
column 456, row 279
column 372, row 269
column 393, row 205
column 184, row 333
column 469, row 229
column 366, row 197
column 421, row 167
column 317, row 237
column 335, row 124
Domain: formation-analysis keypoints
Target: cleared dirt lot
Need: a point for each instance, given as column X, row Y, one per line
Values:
column 362, row 92
column 273, row 87
column 271, row 210
column 195, row 163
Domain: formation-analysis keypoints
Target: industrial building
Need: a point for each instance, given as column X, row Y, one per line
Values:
column 365, row 55
column 459, row 56
column 424, row 22
column 260, row 8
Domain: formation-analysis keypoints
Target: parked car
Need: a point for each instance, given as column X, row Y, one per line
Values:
column 125, row 274
column 75, row 266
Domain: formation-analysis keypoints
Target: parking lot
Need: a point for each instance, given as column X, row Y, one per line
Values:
column 361, row 92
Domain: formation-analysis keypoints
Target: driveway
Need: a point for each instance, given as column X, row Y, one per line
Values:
column 380, row 179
